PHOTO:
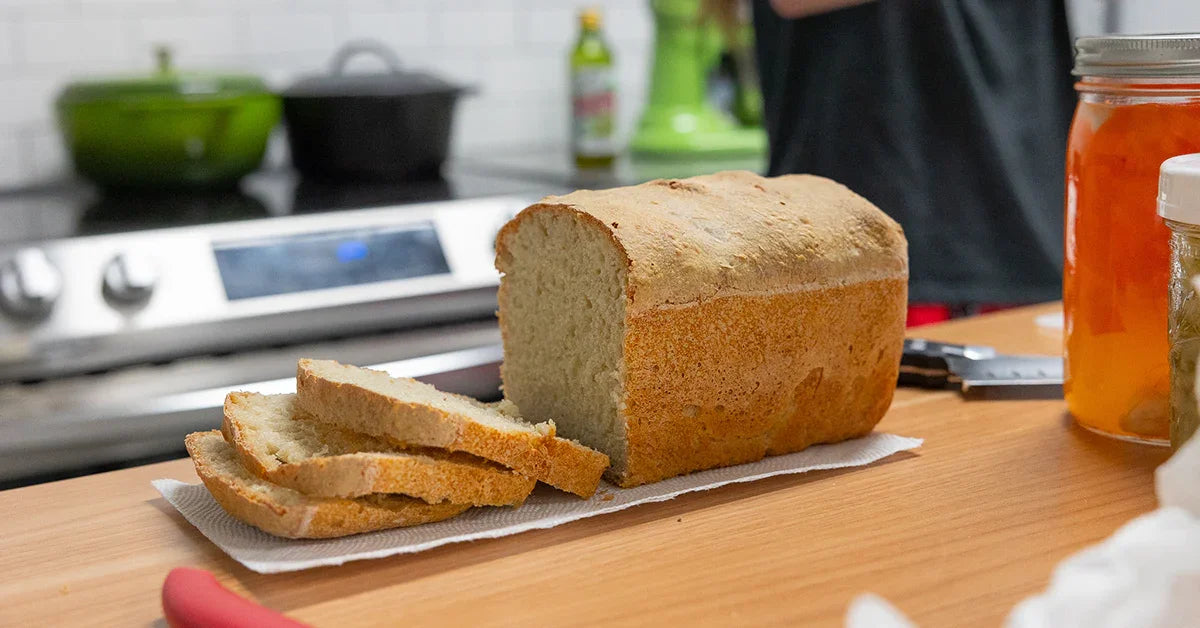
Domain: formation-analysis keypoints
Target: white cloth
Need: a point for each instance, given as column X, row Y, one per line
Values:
column 871, row 611
column 546, row 508
column 1146, row 575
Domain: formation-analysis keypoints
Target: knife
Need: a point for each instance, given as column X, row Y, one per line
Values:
column 979, row 371
column 192, row 598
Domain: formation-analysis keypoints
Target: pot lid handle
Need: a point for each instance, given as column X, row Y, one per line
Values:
column 364, row 46
column 162, row 58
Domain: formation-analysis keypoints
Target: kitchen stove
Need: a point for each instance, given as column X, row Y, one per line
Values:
column 124, row 321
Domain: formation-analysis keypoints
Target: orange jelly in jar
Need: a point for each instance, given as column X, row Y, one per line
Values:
column 1130, row 119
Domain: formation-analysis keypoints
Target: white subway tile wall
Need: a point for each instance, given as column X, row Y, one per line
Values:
column 196, row 37
column 7, row 45
column 514, row 52
column 10, row 161
column 396, row 27
column 73, row 43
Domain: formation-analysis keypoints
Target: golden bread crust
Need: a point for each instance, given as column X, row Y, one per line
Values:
column 737, row 233
column 754, row 376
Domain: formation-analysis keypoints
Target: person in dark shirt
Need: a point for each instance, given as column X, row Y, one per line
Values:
column 950, row 115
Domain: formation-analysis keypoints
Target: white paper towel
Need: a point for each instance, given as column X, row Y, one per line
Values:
column 546, row 508
column 1146, row 575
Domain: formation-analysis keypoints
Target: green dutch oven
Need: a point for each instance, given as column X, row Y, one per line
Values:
column 167, row 130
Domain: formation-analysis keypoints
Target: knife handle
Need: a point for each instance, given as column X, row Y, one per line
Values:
column 192, row 598
column 919, row 347
column 923, row 378
column 929, row 364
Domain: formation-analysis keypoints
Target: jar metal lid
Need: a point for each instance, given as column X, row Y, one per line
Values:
column 1136, row 56
column 1179, row 189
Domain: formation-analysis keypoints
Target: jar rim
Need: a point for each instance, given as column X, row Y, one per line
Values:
column 1145, row 87
column 1142, row 55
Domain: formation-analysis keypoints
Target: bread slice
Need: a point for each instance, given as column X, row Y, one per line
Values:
column 409, row 412
column 278, row 443
column 284, row 512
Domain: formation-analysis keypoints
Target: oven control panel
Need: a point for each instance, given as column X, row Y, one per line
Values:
column 88, row 303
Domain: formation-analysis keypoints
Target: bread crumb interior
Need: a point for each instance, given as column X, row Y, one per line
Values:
column 563, row 311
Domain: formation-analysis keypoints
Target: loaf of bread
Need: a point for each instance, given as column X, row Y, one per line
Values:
column 687, row 324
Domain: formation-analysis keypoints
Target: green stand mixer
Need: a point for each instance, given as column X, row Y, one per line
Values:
column 679, row 121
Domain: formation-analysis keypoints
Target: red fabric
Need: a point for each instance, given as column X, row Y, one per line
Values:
column 927, row 313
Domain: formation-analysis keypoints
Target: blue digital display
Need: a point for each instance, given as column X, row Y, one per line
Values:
column 352, row 251
column 331, row 259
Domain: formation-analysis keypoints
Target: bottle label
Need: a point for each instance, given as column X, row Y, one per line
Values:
column 593, row 112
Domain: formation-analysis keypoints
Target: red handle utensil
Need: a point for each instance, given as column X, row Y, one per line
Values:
column 192, row 598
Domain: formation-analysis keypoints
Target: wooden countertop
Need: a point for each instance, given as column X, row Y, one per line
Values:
column 954, row 534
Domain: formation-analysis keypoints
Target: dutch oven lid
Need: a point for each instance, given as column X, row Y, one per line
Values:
column 394, row 82
column 165, row 82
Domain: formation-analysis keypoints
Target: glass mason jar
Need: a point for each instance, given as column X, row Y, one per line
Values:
column 1179, row 206
column 1139, row 104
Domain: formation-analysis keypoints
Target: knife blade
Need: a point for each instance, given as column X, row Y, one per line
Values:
column 979, row 371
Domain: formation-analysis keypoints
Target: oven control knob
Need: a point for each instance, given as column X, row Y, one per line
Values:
column 29, row 284
column 129, row 279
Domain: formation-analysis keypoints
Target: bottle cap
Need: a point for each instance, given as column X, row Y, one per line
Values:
column 589, row 18
column 1179, row 189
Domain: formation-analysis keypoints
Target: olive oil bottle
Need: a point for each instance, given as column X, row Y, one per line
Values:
column 593, row 96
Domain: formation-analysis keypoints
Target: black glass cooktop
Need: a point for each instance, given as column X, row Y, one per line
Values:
column 71, row 209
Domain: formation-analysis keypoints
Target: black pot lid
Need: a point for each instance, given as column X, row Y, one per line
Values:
column 394, row 82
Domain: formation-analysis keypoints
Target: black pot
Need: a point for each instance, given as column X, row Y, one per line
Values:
column 376, row 127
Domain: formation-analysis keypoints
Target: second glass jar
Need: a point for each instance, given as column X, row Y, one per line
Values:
column 1179, row 206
